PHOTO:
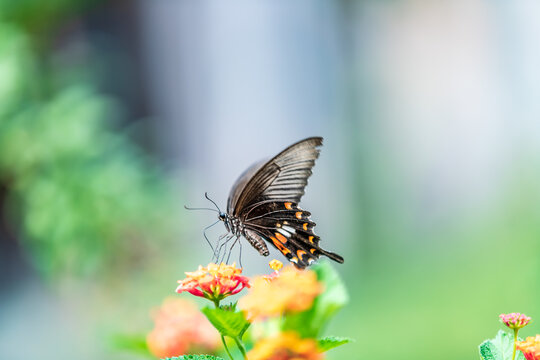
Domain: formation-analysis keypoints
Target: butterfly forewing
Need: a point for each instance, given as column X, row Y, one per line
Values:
column 283, row 177
column 240, row 184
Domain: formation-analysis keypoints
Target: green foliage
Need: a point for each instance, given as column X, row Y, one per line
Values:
column 37, row 15
column 133, row 343
column 85, row 193
column 499, row 348
column 228, row 323
column 331, row 342
column 17, row 69
column 195, row 357
column 333, row 298
column 229, row 307
column 80, row 191
column 311, row 322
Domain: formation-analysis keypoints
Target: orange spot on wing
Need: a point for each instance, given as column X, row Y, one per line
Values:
column 301, row 253
column 298, row 214
column 281, row 238
column 280, row 246
column 312, row 251
column 288, row 205
column 311, row 239
column 305, row 226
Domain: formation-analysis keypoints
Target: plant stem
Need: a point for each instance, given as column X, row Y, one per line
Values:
column 241, row 347
column 515, row 343
column 226, row 348
column 216, row 303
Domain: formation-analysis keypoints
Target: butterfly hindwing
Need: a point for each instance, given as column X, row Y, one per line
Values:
column 289, row 229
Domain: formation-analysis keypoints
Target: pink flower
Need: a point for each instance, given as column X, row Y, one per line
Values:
column 515, row 320
column 180, row 328
column 214, row 282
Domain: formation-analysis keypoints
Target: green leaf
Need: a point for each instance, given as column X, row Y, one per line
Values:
column 311, row 322
column 331, row 342
column 135, row 343
column 499, row 348
column 230, row 307
column 334, row 296
column 228, row 323
column 195, row 357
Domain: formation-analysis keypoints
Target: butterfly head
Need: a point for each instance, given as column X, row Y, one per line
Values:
column 223, row 217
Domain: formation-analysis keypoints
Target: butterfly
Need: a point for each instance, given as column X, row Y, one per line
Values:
column 263, row 205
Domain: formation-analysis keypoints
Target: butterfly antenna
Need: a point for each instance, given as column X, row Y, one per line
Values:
column 212, row 201
column 190, row 208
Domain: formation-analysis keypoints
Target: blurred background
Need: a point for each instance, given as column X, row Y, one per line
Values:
column 114, row 114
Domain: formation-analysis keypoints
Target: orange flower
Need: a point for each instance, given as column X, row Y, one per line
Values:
column 275, row 265
column 180, row 328
column 293, row 290
column 214, row 282
column 285, row 346
column 530, row 347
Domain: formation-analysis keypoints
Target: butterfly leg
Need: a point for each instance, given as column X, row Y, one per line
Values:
column 206, row 237
column 240, row 256
column 226, row 239
column 219, row 257
column 221, row 237
column 232, row 246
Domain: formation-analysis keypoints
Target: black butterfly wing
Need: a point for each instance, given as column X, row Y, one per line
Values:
column 290, row 230
column 283, row 177
column 265, row 200
column 241, row 183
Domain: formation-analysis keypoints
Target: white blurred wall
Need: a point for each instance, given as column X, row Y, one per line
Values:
column 428, row 108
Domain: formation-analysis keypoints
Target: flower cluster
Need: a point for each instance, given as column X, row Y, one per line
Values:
column 214, row 282
column 285, row 346
column 285, row 293
column 292, row 291
column 179, row 328
column 515, row 320
column 530, row 347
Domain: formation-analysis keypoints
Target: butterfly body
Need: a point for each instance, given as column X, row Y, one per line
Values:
column 263, row 205
column 236, row 227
